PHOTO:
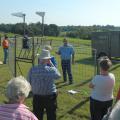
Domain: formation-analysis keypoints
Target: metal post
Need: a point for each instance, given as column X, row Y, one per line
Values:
column 33, row 52
column 42, row 14
column 0, row 40
column 15, row 69
column 22, row 15
column 24, row 24
column 95, row 61
column 42, row 26
column 37, row 41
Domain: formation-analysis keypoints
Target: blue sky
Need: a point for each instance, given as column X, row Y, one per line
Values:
column 63, row 12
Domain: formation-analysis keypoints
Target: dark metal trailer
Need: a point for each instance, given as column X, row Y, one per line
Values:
column 106, row 43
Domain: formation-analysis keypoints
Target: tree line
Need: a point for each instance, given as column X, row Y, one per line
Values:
column 35, row 29
column 32, row 29
column 85, row 32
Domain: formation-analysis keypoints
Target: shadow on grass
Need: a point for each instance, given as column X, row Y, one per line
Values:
column 62, row 85
column 60, row 82
column 86, row 61
column 85, row 116
column 77, row 106
column 83, row 83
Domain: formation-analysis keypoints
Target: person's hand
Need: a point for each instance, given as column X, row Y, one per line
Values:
column 49, row 62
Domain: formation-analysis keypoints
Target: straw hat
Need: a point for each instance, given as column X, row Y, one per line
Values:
column 45, row 54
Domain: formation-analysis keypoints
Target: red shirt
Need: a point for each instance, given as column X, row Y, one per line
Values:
column 5, row 43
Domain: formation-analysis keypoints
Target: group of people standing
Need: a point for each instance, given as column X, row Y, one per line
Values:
column 42, row 76
column 41, row 81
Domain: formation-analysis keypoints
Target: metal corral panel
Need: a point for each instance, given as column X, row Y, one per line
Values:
column 107, row 42
column 101, row 42
column 115, row 43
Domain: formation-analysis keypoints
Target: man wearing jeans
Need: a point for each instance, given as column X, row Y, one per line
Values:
column 5, row 45
column 66, row 52
column 41, row 78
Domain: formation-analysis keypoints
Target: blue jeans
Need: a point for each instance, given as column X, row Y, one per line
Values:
column 66, row 68
column 5, row 55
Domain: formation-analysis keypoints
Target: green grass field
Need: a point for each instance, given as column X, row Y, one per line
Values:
column 70, row 107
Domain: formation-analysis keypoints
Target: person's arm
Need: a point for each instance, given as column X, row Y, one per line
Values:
column 73, row 55
column 53, row 60
column 54, row 73
column 92, row 83
column 58, row 52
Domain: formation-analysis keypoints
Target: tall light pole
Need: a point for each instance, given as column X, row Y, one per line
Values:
column 42, row 14
column 22, row 15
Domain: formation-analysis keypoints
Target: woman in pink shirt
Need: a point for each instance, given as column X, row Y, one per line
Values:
column 17, row 90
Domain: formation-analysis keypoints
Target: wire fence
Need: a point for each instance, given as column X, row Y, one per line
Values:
column 83, row 70
column 85, row 63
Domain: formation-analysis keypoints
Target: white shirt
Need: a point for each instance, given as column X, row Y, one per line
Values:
column 103, row 87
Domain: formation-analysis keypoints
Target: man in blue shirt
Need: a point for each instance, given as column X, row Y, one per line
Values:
column 67, row 53
column 41, row 78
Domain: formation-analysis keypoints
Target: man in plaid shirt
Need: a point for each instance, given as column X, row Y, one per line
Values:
column 41, row 78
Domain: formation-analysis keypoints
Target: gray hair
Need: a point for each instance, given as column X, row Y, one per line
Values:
column 17, row 87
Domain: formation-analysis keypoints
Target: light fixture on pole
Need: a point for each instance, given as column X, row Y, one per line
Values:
column 42, row 14
column 22, row 15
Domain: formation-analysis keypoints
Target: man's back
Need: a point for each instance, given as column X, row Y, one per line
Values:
column 42, row 78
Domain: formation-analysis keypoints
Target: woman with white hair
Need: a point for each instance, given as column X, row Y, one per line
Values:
column 17, row 90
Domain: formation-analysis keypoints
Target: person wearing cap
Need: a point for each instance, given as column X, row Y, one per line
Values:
column 66, row 52
column 41, row 78
column 102, row 85
column 53, row 60
column 17, row 90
